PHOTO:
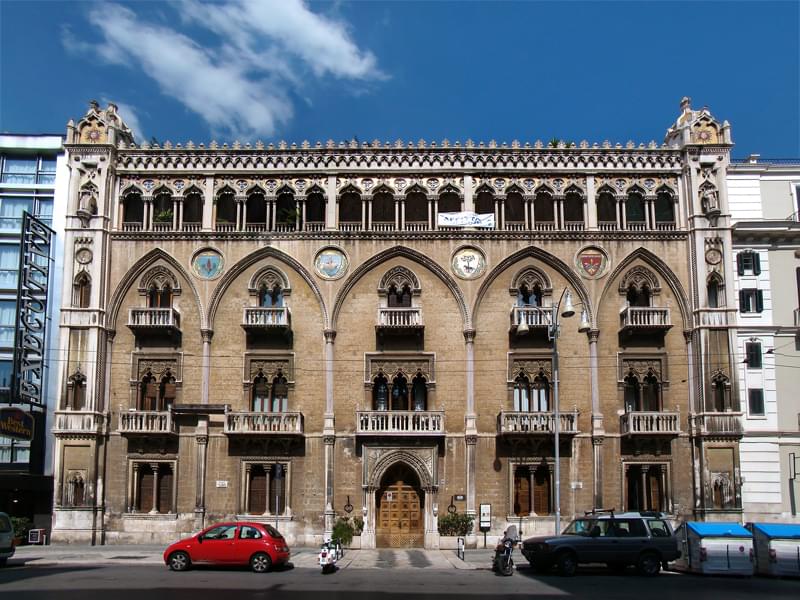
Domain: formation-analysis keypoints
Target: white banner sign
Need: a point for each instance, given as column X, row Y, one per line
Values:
column 465, row 219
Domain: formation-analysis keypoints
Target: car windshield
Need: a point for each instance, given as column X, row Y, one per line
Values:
column 579, row 527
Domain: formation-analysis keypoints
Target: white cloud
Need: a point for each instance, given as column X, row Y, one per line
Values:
column 129, row 117
column 241, row 84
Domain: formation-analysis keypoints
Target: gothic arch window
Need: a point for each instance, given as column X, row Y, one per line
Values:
column 148, row 392
column 416, row 206
column 419, row 392
column 540, row 388
column 82, row 290
column 315, row 206
column 634, row 206
column 665, row 206
column 720, row 392
column 399, row 288
column 531, row 287
column 399, row 393
column 639, row 285
column 159, row 296
column 651, row 393
column 260, row 393
column 638, row 295
column 573, row 206
column 87, row 201
column 714, row 289
column 76, row 391
column 515, row 207
column 350, row 206
column 226, row 206
column 279, row 394
column 193, row 207
column 522, row 393
column 167, row 391
column 76, row 489
column 162, row 206
column 484, row 202
column 256, row 206
column 449, row 201
column 543, row 207
column 606, row 206
column 270, row 287
column 286, row 206
column 159, row 286
column 380, row 393
column 632, row 392
column 383, row 207
column 133, row 207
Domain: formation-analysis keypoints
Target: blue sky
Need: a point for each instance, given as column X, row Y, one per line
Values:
column 290, row 70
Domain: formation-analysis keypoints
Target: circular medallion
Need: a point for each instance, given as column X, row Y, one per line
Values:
column 208, row 263
column 713, row 256
column 468, row 262
column 83, row 256
column 591, row 262
column 331, row 263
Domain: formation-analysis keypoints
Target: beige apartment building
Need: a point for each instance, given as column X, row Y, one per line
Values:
column 300, row 332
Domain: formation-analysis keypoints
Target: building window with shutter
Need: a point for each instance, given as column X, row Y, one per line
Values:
column 755, row 402
column 748, row 262
column 751, row 300
column 153, row 487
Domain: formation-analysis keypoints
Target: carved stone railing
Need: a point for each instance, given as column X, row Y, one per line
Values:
column 79, row 422
column 574, row 226
column 350, row 226
column 192, row 226
column 382, row 226
column 227, row 227
column 263, row 423
column 400, row 422
column 534, row 317
column 650, row 423
column 713, row 317
column 536, row 423
column 515, row 226
column 262, row 317
column 255, row 227
column 153, row 318
column 727, row 424
column 285, row 227
column 665, row 226
column 131, row 226
column 645, row 317
column 416, row 226
column 544, row 226
column 607, row 226
column 315, row 226
column 154, row 422
column 636, row 226
column 163, row 226
column 397, row 318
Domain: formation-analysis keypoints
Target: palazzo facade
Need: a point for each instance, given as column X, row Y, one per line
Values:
column 300, row 332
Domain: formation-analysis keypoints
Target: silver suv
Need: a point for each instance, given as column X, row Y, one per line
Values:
column 643, row 539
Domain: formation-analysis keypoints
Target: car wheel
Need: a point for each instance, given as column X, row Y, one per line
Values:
column 179, row 561
column 261, row 562
column 567, row 564
column 649, row 564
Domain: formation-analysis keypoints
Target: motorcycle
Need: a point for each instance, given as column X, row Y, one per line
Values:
column 503, row 563
column 329, row 553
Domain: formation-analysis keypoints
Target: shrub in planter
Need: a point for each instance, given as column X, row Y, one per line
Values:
column 22, row 525
column 455, row 524
column 358, row 524
column 343, row 530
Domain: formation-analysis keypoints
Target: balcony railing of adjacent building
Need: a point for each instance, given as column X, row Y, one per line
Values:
column 645, row 318
column 266, row 318
column 399, row 318
column 537, row 423
column 400, row 422
column 153, row 422
column 263, row 423
column 797, row 317
column 533, row 316
column 80, row 422
column 153, row 319
column 727, row 424
column 650, row 423
column 714, row 317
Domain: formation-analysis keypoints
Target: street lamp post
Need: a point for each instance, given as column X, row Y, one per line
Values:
column 553, row 331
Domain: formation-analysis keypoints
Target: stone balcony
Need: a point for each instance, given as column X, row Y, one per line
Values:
column 642, row 423
column 79, row 423
column 399, row 318
column 263, row 423
column 721, row 424
column 536, row 423
column 645, row 319
column 386, row 423
column 153, row 320
column 273, row 318
column 147, row 422
column 715, row 317
column 535, row 317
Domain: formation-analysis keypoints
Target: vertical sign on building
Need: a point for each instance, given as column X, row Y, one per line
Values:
column 31, row 331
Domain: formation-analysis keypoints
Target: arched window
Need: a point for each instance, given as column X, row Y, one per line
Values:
column 76, row 391
column 226, row 207
column 167, row 390
column 638, row 296
column 484, row 203
column 159, row 297
column 543, row 211
column 398, row 298
column 133, row 208
column 419, row 392
column 449, row 201
column 529, row 297
column 383, row 207
column 76, row 490
column 714, row 291
column 380, row 393
column 651, row 393
column 350, row 207
column 82, row 290
column 573, row 207
column 634, row 207
column 315, row 207
column 522, row 393
column 287, row 214
column 268, row 297
column 633, row 393
column 416, row 207
column 541, row 393
column 280, row 393
column 665, row 207
column 260, row 399
column 515, row 208
column 399, row 393
column 193, row 208
column 256, row 205
column 606, row 207
column 162, row 207
column 148, row 392
column 720, row 391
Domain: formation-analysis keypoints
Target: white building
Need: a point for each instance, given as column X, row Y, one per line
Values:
column 764, row 203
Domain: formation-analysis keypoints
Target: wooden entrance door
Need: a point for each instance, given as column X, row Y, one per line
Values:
column 400, row 519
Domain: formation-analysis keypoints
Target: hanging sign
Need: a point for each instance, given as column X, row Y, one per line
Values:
column 16, row 423
column 465, row 219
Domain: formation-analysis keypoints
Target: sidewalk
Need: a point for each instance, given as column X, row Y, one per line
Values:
column 73, row 554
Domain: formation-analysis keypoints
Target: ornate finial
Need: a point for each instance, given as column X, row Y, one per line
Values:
column 94, row 104
column 686, row 104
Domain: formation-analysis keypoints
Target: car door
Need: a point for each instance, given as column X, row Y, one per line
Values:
column 599, row 545
column 249, row 541
column 217, row 546
column 631, row 539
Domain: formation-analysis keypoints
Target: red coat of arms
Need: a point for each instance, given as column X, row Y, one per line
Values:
column 591, row 263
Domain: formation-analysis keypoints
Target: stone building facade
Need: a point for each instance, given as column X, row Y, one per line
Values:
column 299, row 333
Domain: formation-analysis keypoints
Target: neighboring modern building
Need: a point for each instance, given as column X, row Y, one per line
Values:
column 764, row 198
column 33, row 179
column 300, row 332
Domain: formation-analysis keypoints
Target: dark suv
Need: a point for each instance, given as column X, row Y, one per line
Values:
column 644, row 539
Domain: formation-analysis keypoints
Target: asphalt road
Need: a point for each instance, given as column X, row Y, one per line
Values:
column 150, row 582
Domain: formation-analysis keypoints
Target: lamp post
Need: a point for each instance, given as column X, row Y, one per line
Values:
column 553, row 331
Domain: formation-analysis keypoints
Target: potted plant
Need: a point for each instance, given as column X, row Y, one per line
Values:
column 21, row 525
column 164, row 216
column 453, row 526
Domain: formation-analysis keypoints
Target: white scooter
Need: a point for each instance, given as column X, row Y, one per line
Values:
column 329, row 553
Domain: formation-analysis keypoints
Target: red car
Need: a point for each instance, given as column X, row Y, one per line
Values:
column 242, row 543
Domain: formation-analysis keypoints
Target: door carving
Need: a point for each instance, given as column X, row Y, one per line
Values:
column 400, row 519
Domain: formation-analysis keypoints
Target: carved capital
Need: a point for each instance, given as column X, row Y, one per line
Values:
column 207, row 334
column 469, row 335
column 329, row 440
column 688, row 334
column 471, row 439
column 202, row 440
column 330, row 335
column 593, row 335
column 597, row 441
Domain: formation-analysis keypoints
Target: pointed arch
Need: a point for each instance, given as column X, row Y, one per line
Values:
column 545, row 257
column 410, row 459
column 662, row 269
column 136, row 271
column 251, row 259
column 413, row 255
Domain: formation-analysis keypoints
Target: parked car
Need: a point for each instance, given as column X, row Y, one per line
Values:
column 241, row 543
column 643, row 539
column 7, row 543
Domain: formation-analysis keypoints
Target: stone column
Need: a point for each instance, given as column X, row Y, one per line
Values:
column 527, row 199
column 244, row 498
column 154, row 508
column 471, row 431
column 622, row 217
column 268, row 489
column 206, row 364
column 299, row 207
column 598, row 431
column 240, row 218
column 435, row 222
column 201, row 443
column 147, row 204
column 134, row 491
column 468, row 202
column 397, row 199
column 665, row 496
column 369, row 214
column 364, row 212
column 303, row 208
column 331, row 204
column 559, row 200
column 403, row 214
column 175, row 207
column 329, row 432
column 591, row 203
column 272, row 212
column 368, row 512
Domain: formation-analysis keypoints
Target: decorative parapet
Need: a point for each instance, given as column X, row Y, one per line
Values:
column 650, row 423
column 263, row 423
column 400, row 422
column 536, row 423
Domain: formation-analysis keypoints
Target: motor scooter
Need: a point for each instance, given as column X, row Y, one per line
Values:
column 329, row 553
column 503, row 563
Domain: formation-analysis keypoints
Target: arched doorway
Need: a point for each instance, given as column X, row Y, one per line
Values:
column 400, row 509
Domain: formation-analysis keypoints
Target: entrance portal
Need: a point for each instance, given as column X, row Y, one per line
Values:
column 400, row 501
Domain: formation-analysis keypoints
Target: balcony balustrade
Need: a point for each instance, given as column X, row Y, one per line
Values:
column 607, row 226
column 544, row 226
column 536, row 423
column 191, row 227
column 515, row 226
column 665, row 226
column 574, row 226
column 286, row 227
column 650, row 423
column 80, row 422
column 636, row 226
column 255, row 227
column 534, row 317
column 263, row 423
column 644, row 318
column 400, row 318
column 350, row 226
column 713, row 317
column 147, row 422
column 261, row 318
column 131, row 226
column 416, row 226
column 225, row 227
column 728, row 424
column 382, row 226
column 163, row 226
column 153, row 320
column 400, row 423
column 315, row 226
